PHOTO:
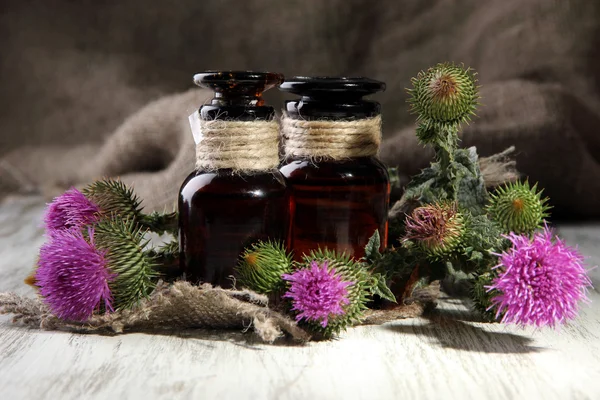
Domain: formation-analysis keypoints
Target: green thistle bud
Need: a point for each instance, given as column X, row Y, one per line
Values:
column 444, row 94
column 438, row 229
column 260, row 267
column 517, row 207
column 113, row 197
column 135, row 271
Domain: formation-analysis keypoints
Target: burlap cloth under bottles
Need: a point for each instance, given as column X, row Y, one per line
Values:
column 184, row 306
column 92, row 82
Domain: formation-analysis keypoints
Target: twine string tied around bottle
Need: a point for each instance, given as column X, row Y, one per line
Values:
column 327, row 139
column 238, row 145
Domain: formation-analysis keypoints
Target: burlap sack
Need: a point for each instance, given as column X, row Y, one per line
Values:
column 82, row 77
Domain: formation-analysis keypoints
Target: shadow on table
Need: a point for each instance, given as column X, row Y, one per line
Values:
column 452, row 329
column 247, row 340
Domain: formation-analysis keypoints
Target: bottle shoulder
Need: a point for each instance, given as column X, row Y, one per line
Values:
column 358, row 169
column 226, row 182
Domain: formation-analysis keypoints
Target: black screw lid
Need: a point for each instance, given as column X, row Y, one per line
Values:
column 332, row 97
column 238, row 94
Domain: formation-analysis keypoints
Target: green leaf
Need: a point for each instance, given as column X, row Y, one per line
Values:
column 372, row 252
column 381, row 289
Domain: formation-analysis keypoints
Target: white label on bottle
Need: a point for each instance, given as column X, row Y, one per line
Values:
column 195, row 125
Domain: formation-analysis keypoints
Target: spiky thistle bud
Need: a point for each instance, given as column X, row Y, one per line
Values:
column 261, row 266
column 438, row 229
column 134, row 270
column 446, row 94
column 517, row 207
column 113, row 197
column 329, row 291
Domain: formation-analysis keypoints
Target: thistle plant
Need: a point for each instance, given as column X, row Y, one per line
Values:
column 445, row 94
column 100, row 268
column 261, row 267
column 75, row 210
column 319, row 294
column 73, row 275
column 96, row 255
column 540, row 281
column 443, row 97
column 113, row 197
column 437, row 229
column 329, row 291
column 135, row 270
column 71, row 210
column 519, row 208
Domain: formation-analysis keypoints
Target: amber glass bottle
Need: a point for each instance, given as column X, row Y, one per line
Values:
column 223, row 210
column 339, row 201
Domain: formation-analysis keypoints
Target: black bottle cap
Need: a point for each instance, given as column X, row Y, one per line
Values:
column 238, row 94
column 332, row 97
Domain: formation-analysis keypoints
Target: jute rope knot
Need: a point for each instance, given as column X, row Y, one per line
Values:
column 239, row 145
column 335, row 140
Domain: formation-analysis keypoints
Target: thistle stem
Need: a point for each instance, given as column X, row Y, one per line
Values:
column 444, row 148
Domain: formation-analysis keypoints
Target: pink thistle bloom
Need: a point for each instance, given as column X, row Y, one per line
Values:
column 70, row 210
column 73, row 275
column 541, row 281
column 317, row 293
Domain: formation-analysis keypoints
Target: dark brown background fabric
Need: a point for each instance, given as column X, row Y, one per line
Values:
column 94, row 88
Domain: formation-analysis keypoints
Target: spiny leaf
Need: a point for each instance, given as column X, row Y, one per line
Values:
column 372, row 247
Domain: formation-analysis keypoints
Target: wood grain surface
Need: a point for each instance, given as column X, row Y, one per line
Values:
column 447, row 355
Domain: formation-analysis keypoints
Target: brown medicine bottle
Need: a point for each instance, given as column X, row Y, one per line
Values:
column 236, row 195
column 339, row 186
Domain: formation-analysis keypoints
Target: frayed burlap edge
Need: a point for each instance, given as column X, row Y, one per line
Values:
column 185, row 306
column 176, row 306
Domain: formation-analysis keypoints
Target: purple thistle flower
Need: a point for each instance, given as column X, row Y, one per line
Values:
column 70, row 210
column 540, row 281
column 317, row 293
column 73, row 275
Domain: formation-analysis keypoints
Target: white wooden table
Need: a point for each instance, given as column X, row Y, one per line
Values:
column 445, row 356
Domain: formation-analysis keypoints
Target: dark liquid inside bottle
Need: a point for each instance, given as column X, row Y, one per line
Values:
column 338, row 205
column 223, row 213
